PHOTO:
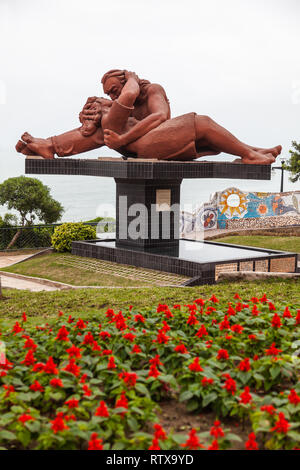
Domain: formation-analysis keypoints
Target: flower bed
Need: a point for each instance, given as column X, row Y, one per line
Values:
column 77, row 384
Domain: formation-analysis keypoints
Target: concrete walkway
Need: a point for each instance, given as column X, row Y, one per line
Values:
column 21, row 284
column 10, row 259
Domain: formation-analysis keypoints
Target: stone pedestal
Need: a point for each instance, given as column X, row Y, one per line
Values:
column 147, row 214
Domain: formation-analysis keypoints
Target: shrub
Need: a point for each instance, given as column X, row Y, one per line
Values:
column 68, row 232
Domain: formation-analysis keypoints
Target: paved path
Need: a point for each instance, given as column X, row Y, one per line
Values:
column 12, row 282
column 10, row 259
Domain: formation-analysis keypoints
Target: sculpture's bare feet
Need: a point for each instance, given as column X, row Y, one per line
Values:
column 275, row 151
column 42, row 147
column 258, row 158
column 21, row 147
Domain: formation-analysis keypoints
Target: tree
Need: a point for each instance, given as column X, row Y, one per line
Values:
column 294, row 163
column 32, row 200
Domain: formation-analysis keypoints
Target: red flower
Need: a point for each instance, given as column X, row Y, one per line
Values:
column 129, row 336
column 245, row 365
column 36, row 387
column 70, row 319
column 83, row 378
column 180, row 348
column 236, row 296
column 106, row 352
column 111, row 363
column 29, row 359
column 282, row 425
column 222, row 354
column 237, row 329
column 293, row 397
column 216, row 430
column 272, row 307
column 88, row 339
column 80, row 324
column 255, row 311
column 200, row 302
column 155, row 361
column 110, row 313
column 9, row 389
column 72, row 367
column 122, row 402
column 162, row 338
column 231, row 311
column 95, row 443
column 58, row 423
column 263, row 299
column 72, row 403
column 104, row 335
column 192, row 443
column 136, row 349
column 245, row 396
column 87, row 391
column 202, row 332
column 230, row 385
column 268, row 409
column 192, row 320
column 154, row 445
column 129, row 378
column 252, row 337
column 139, row 318
column 298, row 317
column 29, row 343
column 50, row 367
column 276, row 322
column 17, row 328
column 153, row 372
column 102, row 410
column 272, row 351
column 195, row 365
column 224, row 325
column 159, row 432
column 214, row 445
column 205, row 381
column 73, row 351
column 25, row 417
column 214, row 299
column 56, row 383
column 254, row 300
column 24, row 317
column 62, row 334
column 287, row 313
column 251, row 444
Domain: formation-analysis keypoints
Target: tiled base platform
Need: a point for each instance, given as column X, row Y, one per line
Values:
column 146, row 169
column 200, row 261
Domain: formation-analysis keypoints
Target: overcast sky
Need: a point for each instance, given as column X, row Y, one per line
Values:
column 235, row 60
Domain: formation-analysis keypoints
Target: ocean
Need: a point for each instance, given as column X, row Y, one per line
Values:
column 87, row 197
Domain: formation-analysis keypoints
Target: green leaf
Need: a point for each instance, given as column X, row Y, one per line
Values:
column 7, row 435
column 186, row 395
column 209, row 398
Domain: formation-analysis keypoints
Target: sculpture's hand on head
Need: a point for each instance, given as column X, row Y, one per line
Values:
column 128, row 74
column 112, row 139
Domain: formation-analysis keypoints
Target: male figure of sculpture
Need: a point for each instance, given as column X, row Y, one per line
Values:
column 153, row 135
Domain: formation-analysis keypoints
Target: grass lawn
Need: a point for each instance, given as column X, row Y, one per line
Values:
column 89, row 303
column 66, row 268
column 264, row 241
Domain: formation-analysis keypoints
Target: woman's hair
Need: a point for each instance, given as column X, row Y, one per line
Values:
column 120, row 75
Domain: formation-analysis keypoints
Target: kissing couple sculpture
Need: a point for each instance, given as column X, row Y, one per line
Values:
column 136, row 122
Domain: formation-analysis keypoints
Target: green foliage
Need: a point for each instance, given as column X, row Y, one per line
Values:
column 136, row 354
column 31, row 199
column 68, row 232
column 294, row 162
